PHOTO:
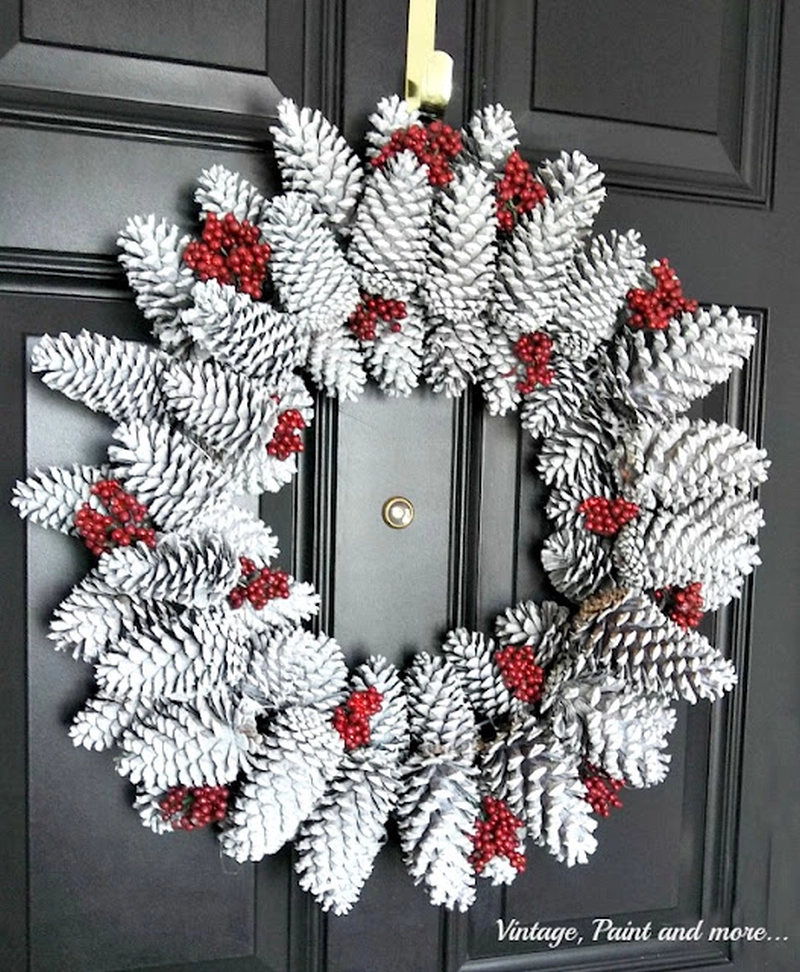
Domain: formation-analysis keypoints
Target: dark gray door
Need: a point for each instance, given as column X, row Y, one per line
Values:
column 110, row 108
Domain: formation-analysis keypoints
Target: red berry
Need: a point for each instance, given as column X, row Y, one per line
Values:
column 497, row 836
column 285, row 440
column 520, row 672
column 652, row 309
column 601, row 789
column 435, row 145
column 230, row 252
column 191, row 809
column 606, row 517
column 351, row 720
column 373, row 308
column 517, row 192
column 124, row 522
column 684, row 605
column 258, row 585
column 534, row 351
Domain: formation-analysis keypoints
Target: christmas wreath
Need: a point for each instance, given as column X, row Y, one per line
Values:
column 442, row 258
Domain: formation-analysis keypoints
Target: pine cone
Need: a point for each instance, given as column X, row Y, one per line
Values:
column 538, row 778
column 181, row 659
column 227, row 411
column 438, row 714
column 247, row 336
column 574, row 461
column 498, row 378
column 118, row 378
column 152, row 259
column 535, row 263
column 687, row 461
column 315, row 160
column 472, row 656
column 391, row 114
column 463, row 251
column 577, row 563
column 576, row 189
column 550, row 407
column 394, row 359
column 310, row 273
column 338, row 843
column 439, row 802
column 436, row 818
column 244, row 532
column 492, row 137
column 663, row 372
column 594, row 292
column 175, row 744
column 629, row 554
column 454, row 355
column 94, row 616
column 292, row 668
column 89, row 618
column 335, row 363
column 711, row 541
column 255, row 471
column 102, row 721
column 195, row 570
column 636, row 641
column 52, row 497
column 389, row 246
column 301, row 754
column 536, row 625
column 621, row 731
column 166, row 472
column 281, row 612
column 222, row 191
column 146, row 804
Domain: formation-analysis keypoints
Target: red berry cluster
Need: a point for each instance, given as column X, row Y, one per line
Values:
column 683, row 604
column 365, row 317
column 124, row 523
column 190, row 808
column 517, row 192
column 534, row 351
column 258, row 585
column 229, row 251
column 496, row 836
column 436, row 145
column 654, row 308
column 605, row 516
column 285, row 439
column 351, row 720
column 601, row 789
column 520, row 672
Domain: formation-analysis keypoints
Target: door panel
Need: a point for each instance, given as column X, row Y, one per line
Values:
column 208, row 34
column 392, row 585
column 101, row 119
column 103, row 894
column 686, row 64
column 87, row 140
column 667, row 857
column 669, row 98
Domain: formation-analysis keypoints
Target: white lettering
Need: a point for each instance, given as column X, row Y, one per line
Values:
column 676, row 933
column 722, row 933
column 553, row 935
column 606, row 929
column 503, row 930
